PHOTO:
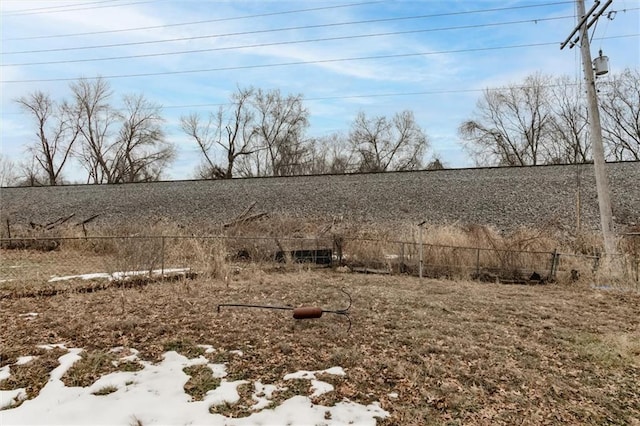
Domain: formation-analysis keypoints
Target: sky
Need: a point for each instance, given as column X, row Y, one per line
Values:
column 155, row 395
column 433, row 57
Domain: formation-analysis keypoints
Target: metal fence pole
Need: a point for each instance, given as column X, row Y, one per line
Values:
column 162, row 256
column 555, row 258
column 420, row 251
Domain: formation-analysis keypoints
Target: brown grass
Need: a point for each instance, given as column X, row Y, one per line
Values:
column 33, row 375
column 455, row 352
column 200, row 382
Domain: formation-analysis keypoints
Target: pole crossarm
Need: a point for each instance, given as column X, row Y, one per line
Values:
column 584, row 18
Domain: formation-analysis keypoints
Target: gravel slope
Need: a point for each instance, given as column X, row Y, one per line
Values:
column 504, row 197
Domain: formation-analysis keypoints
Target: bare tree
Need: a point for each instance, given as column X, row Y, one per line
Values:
column 30, row 173
column 381, row 144
column 568, row 138
column 96, row 118
column 117, row 147
column 435, row 164
column 142, row 151
column 620, row 105
column 56, row 134
column 231, row 130
column 280, row 126
column 330, row 154
column 510, row 124
column 8, row 175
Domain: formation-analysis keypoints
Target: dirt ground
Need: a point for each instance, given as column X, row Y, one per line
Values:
column 453, row 352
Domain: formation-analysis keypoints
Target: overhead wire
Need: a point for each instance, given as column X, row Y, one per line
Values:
column 253, row 32
column 207, row 21
column 289, row 42
column 83, row 3
column 294, row 63
column 11, row 14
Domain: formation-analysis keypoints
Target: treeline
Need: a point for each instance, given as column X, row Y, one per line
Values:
column 543, row 120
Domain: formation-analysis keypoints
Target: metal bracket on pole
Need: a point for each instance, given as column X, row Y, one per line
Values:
column 586, row 16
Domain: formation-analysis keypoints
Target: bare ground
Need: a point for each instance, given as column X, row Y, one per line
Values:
column 454, row 352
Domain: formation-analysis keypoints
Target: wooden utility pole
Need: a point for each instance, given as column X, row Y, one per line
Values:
column 602, row 181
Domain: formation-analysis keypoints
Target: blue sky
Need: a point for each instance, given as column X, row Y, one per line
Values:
column 438, row 78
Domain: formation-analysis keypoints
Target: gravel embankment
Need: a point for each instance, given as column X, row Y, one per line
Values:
column 503, row 197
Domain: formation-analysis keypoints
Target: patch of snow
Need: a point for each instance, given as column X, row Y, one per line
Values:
column 317, row 386
column 24, row 359
column 49, row 347
column 393, row 395
column 28, row 315
column 7, row 280
column 5, row 373
column 309, row 375
column 117, row 275
column 262, row 395
column 10, row 397
column 237, row 352
column 218, row 370
column 208, row 349
column 155, row 395
column 320, row 388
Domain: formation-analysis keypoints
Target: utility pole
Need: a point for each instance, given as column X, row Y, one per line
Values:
column 602, row 181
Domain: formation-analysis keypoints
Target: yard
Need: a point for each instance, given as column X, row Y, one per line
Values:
column 427, row 351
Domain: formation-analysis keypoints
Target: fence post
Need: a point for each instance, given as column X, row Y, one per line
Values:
column 555, row 260
column 162, row 257
column 477, row 262
column 420, row 248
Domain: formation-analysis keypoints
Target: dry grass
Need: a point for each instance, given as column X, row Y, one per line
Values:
column 95, row 364
column 200, row 381
column 450, row 250
column 454, row 352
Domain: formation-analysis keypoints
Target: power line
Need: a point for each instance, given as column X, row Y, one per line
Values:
column 84, row 3
column 282, row 64
column 147, row 55
column 10, row 14
column 260, row 15
column 302, row 27
column 319, row 61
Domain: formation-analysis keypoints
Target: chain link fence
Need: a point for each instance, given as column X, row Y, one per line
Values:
column 36, row 263
column 42, row 261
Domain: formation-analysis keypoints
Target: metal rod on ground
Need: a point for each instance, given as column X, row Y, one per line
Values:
column 303, row 312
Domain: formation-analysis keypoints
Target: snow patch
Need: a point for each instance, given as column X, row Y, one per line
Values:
column 5, row 373
column 155, row 395
column 24, row 359
column 118, row 275
column 309, row 375
column 10, row 397
column 208, row 349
